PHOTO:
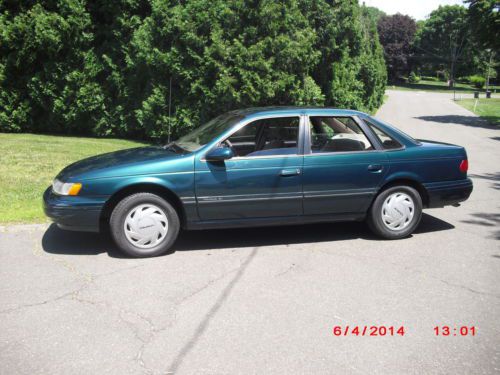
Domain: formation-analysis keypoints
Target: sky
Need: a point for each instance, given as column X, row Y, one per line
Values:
column 418, row 9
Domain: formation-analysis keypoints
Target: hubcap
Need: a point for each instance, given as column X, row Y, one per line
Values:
column 146, row 226
column 398, row 211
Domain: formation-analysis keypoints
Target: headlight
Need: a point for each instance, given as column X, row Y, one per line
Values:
column 68, row 188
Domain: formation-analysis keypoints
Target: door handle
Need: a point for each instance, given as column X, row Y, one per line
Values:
column 290, row 172
column 375, row 167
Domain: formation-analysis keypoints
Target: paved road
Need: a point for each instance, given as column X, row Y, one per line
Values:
column 264, row 301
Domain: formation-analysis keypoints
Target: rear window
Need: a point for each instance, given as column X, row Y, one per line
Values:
column 387, row 142
column 379, row 124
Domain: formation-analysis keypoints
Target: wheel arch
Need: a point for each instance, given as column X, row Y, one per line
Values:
column 407, row 181
column 141, row 187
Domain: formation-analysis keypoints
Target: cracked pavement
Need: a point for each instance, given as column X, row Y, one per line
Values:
column 265, row 300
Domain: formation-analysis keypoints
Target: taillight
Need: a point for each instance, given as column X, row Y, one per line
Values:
column 464, row 166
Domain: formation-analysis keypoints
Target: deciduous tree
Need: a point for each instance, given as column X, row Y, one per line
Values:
column 444, row 39
column 484, row 16
column 397, row 33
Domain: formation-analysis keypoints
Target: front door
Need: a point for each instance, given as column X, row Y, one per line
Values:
column 262, row 180
column 342, row 168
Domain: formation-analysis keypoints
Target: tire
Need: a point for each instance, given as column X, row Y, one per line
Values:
column 396, row 212
column 144, row 225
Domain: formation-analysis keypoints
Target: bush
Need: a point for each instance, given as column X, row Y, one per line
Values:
column 413, row 78
column 477, row 81
column 107, row 68
column 431, row 78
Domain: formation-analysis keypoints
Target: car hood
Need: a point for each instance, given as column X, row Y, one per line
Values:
column 141, row 160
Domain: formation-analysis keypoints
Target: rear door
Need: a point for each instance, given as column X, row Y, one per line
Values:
column 343, row 168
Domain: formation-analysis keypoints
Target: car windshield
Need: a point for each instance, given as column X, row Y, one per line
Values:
column 205, row 133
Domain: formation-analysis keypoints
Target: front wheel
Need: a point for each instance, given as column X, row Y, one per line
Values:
column 144, row 225
column 396, row 212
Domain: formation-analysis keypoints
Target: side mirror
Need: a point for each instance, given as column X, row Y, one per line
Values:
column 219, row 154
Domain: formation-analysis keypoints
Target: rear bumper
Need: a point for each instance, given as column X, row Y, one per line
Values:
column 73, row 213
column 448, row 192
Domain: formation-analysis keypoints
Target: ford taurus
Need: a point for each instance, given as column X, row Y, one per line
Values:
column 256, row 167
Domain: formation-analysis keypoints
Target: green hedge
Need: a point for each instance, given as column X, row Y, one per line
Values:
column 104, row 68
column 477, row 81
column 413, row 78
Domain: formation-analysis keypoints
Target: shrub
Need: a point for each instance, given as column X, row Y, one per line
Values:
column 110, row 68
column 431, row 78
column 477, row 81
column 413, row 78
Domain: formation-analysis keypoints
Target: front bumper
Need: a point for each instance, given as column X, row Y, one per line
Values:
column 448, row 192
column 73, row 213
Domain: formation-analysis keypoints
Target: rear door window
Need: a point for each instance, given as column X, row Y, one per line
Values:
column 337, row 134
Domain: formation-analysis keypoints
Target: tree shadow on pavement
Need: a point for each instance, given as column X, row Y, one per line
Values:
column 57, row 241
column 486, row 220
column 433, row 87
column 474, row 121
column 494, row 177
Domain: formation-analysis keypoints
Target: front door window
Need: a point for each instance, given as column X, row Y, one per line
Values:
column 266, row 137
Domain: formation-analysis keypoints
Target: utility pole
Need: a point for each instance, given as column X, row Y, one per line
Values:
column 452, row 70
column 169, row 108
column 452, row 78
column 489, row 70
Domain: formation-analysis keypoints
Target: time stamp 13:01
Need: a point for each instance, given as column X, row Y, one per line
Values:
column 381, row 330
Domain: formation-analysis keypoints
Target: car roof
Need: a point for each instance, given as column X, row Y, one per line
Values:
column 287, row 111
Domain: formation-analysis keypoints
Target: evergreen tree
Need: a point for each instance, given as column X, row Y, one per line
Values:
column 109, row 68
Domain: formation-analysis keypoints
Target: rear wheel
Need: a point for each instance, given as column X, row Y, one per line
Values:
column 396, row 212
column 144, row 225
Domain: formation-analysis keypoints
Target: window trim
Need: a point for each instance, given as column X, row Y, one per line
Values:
column 300, row 138
column 362, row 126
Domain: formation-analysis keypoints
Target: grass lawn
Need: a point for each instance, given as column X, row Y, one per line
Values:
column 489, row 109
column 28, row 164
column 439, row 86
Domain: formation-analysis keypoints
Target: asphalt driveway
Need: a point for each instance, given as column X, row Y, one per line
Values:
column 264, row 301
